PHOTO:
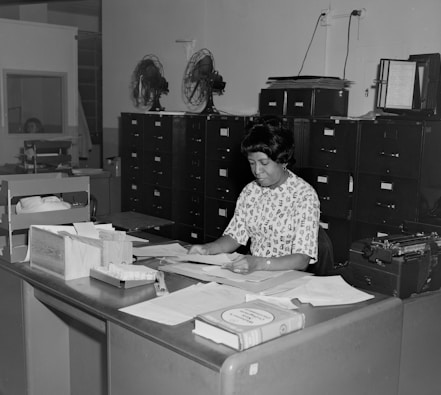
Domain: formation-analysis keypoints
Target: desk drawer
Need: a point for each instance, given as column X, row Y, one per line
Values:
column 386, row 198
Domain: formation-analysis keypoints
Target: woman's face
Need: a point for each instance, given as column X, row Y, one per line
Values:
column 267, row 172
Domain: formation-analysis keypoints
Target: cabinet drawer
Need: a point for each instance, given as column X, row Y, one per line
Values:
column 272, row 102
column 132, row 197
column 191, row 208
column 223, row 137
column 392, row 148
column 333, row 145
column 222, row 181
column 158, row 133
column 158, row 168
column 217, row 216
column 158, row 201
column 334, row 191
column 364, row 230
column 190, row 234
column 381, row 199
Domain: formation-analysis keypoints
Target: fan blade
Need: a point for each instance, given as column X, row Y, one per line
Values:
column 194, row 90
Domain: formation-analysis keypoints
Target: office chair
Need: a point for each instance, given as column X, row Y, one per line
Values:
column 325, row 265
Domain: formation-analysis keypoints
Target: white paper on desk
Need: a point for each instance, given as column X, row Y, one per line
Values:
column 323, row 291
column 217, row 259
column 160, row 250
column 187, row 303
column 255, row 277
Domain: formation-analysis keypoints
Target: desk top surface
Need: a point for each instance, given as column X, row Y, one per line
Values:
column 103, row 301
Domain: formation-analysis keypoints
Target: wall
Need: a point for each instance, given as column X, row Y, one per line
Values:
column 254, row 39
column 39, row 47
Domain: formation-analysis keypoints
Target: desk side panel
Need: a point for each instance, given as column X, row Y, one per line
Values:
column 12, row 336
column 357, row 353
column 420, row 371
column 140, row 366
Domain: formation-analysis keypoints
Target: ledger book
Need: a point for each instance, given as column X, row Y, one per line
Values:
column 248, row 324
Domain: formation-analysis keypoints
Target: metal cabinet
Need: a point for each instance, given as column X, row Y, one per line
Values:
column 330, row 167
column 388, row 176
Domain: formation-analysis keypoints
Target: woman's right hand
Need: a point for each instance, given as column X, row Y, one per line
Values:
column 201, row 249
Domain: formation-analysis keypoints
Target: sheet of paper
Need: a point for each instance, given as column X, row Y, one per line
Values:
column 217, row 259
column 86, row 229
column 321, row 291
column 185, row 304
column 252, row 277
column 160, row 250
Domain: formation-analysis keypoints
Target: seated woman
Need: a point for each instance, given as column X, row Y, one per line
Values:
column 278, row 211
column 33, row 125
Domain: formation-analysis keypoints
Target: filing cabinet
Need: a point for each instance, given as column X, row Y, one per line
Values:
column 330, row 169
column 388, row 176
column 185, row 168
column 227, row 171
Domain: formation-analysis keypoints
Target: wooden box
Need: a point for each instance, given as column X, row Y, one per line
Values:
column 14, row 227
column 69, row 256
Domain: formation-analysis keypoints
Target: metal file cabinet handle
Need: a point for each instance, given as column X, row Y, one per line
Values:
column 390, row 154
column 329, row 151
column 390, row 206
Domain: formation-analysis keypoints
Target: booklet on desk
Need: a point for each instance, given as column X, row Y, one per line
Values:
column 248, row 324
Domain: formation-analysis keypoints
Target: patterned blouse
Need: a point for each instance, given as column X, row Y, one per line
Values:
column 280, row 221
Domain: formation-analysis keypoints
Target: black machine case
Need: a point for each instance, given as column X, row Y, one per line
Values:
column 397, row 265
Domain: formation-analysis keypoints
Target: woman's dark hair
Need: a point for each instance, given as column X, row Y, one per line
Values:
column 272, row 138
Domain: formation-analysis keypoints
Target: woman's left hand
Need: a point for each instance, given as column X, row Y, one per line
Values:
column 247, row 264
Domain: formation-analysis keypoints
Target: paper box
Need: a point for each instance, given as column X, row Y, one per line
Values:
column 69, row 256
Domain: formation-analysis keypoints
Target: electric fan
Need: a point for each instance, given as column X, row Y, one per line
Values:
column 201, row 81
column 148, row 83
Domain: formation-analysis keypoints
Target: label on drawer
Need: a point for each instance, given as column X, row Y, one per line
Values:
column 222, row 212
column 324, row 225
column 272, row 104
column 224, row 132
column 156, row 193
column 134, row 187
column 322, row 179
column 158, row 124
column 134, row 122
column 387, row 186
column 328, row 132
column 157, row 159
column 134, row 155
column 223, row 172
column 298, row 104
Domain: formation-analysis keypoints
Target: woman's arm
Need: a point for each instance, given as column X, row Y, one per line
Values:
column 252, row 263
column 223, row 244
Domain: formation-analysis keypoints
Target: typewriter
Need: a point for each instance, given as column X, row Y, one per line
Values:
column 398, row 265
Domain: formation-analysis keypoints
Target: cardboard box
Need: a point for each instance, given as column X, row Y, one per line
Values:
column 69, row 256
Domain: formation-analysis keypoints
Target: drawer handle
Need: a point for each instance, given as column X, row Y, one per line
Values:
column 329, row 151
column 227, row 150
column 390, row 155
column 389, row 206
column 195, row 177
column 325, row 198
column 196, row 140
column 223, row 190
column 159, row 173
column 157, row 207
column 159, row 137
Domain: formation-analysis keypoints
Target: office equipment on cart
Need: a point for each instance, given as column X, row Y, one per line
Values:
column 398, row 265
